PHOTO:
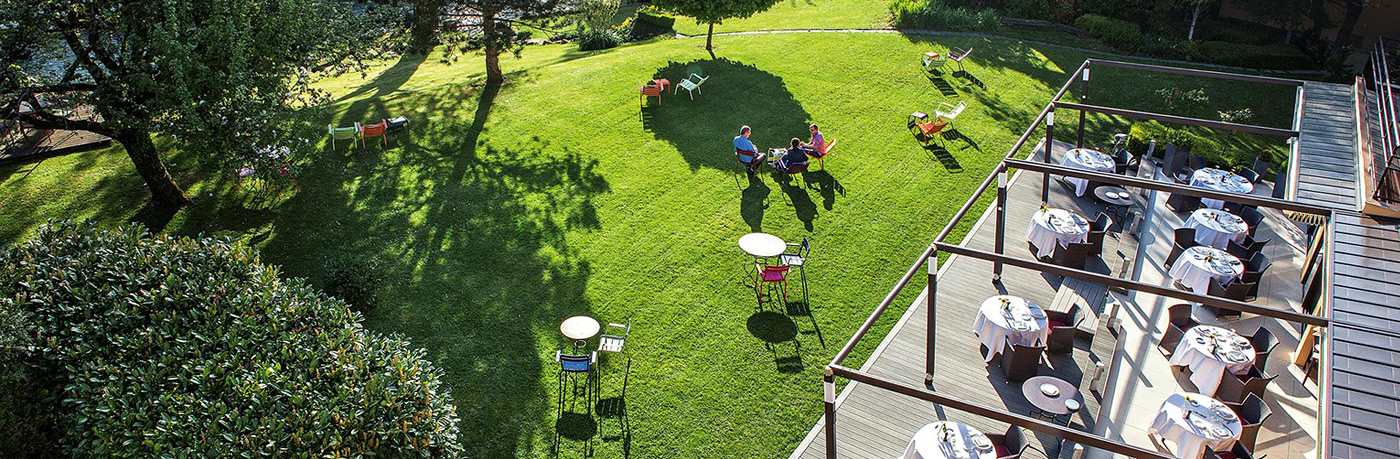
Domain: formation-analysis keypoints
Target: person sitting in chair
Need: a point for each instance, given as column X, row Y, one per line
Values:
column 817, row 144
column 748, row 154
column 795, row 160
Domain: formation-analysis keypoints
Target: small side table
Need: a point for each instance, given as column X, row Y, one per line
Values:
column 662, row 82
column 1066, row 401
column 1118, row 205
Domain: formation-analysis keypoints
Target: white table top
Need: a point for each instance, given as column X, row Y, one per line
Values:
column 1221, row 180
column 1220, row 263
column 762, row 244
column 1210, row 418
column 962, row 442
column 1229, row 347
column 1029, row 317
column 579, row 327
column 1061, row 221
column 1088, row 158
column 1220, row 221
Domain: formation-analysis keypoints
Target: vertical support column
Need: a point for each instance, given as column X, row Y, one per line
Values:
column 1049, row 146
column 1001, row 224
column 1083, row 97
column 829, row 396
column 931, row 341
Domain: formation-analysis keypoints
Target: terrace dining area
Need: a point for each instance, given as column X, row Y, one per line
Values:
column 1158, row 308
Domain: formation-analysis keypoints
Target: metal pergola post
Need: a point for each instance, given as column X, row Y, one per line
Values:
column 1083, row 97
column 1049, row 145
column 1000, row 240
column 829, row 396
column 931, row 342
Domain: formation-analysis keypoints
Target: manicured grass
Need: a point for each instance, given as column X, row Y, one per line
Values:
column 505, row 210
column 803, row 14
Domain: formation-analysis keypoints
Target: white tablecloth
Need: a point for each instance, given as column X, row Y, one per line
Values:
column 1216, row 228
column 1209, row 352
column 1087, row 159
column 1211, row 424
column 1051, row 226
column 762, row 245
column 1026, row 326
column 1195, row 272
column 1220, row 180
column 963, row 442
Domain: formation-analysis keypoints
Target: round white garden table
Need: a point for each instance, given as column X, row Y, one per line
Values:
column 1005, row 318
column 1194, row 421
column 579, row 329
column 1087, row 159
column 1216, row 228
column 762, row 245
column 1056, row 226
column 1209, row 352
column 1220, row 180
column 1198, row 265
column 949, row 440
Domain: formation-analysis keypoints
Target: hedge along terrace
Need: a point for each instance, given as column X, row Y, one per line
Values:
column 163, row 346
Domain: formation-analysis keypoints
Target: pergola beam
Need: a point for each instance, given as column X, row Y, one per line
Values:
column 1177, row 119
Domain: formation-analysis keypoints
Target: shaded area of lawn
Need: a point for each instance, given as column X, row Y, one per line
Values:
column 504, row 210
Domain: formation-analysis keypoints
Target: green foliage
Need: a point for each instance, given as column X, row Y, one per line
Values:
column 647, row 23
column 1185, row 102
column 1121, row 9
column 935, row 14
column 1182, row 139
column 26, row 417
column 593, row 40
column 183, row 347
column 715, row 11
column 1140, row 138
column 597, row 15
column 1119, row 34
column 1275, row 56
column 1240, row 116
column 1029, row 9
column 354, row 280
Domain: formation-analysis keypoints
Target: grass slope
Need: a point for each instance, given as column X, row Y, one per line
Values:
column 504, row 211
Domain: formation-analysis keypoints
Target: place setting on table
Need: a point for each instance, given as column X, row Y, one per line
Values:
column 1199, row 265
column 1050, row 226
column 1219, row 180
column 1088, row 159
column 950, row 440
column 1210, row 351
column 1193, row 422
column 1216, row 228
column 1005, row 318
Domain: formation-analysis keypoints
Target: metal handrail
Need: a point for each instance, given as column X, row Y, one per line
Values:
column 1387, row 188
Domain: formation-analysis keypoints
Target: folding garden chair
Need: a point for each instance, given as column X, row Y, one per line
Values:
column 932, row 61
column 821, row 155
column 649, row 90
column 611, row 342
column 798, row 258
column 949, row 112
column 691, row 84
column 345, row 133
column 770, row 275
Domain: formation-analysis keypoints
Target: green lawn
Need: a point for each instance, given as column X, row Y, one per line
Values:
column 803, row 14
column 505, row 211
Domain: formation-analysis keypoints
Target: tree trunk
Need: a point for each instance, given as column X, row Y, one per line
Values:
column 423, row 36
column 144, row 156
column 709, row 41
column 1195, row 13
column 492, row 47
column 1354, row 8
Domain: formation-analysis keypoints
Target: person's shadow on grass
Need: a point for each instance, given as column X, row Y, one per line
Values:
column 797, row 195
column 826, row 185
column 752, row 203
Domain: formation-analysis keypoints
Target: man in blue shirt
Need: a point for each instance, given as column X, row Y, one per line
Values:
column 748, row 154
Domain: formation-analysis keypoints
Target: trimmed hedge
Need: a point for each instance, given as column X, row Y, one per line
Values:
column 1275, row 56
column 1122, row 35
column 647, row 23
column 936, row 14
column 183, row 347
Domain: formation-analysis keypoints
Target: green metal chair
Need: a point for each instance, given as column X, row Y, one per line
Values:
column 346, row 133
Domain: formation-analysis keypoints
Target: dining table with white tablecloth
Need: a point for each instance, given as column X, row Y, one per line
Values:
column 1219, row 180
column 1216, row 228
column 1211, row 351
column 1051, row 226
column 1087, row 159
column 1005, row 318
column 1193, row 422
column 1199, row 265
column 949, row 440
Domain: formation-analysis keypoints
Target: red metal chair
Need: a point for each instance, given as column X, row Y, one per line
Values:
column 380, row 130
column 771, row 275
column 650, row 90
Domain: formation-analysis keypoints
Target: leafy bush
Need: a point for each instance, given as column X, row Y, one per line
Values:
column 1122, row 35
column 1275, row 56
column 1182, row 139
column 935, row 14
column 1028, row 9
column 647, row 23
column 1140, row 138
column 1241, row 116
column 1157, row 45
column 354, row 280
column 593, row 40
column 26, row 417
column 184, row 347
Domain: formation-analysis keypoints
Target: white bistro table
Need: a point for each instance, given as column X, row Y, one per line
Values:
column 1056, row 226
column 1216, row 228
column 949, row 440
column 1200, row 264
column 1087, row 159
column 1219, row 180
column 762, row 245
column 1209, row 352
column 1005, row 318
column 1194, row 421
column 580, row 329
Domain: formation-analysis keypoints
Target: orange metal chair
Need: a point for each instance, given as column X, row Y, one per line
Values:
column 923, row 128
column 380, row 130
column 650, row 90
column 821, row 155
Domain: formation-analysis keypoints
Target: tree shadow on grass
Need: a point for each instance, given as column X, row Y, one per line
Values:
column 472, row 233
column 735, row 95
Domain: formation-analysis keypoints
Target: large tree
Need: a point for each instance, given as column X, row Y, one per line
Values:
column 1353, row 9
column 714, row 12
column 218, row 77
column 495, row 26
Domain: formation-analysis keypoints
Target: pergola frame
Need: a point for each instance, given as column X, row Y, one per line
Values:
column 999, row 258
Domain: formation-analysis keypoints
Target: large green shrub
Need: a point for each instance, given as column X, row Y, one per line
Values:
column 1122, row 35
column 182, row 347
column 935, row 14
column 1275, row 56
column 647, row 23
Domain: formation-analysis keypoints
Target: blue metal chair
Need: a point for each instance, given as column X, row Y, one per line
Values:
column 573, row 369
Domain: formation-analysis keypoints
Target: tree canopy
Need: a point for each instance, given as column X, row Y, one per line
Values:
column 217, row 76
column 493, row 25
column 715, row 11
